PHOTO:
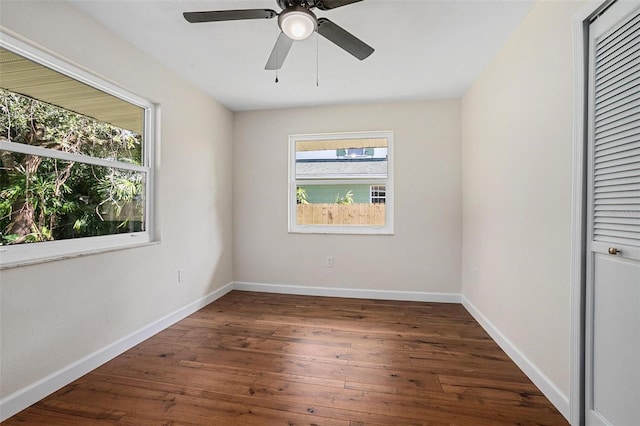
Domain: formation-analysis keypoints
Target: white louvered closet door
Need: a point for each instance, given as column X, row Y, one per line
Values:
column 612, row 372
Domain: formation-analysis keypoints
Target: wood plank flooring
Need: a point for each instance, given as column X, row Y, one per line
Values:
column 267, row 359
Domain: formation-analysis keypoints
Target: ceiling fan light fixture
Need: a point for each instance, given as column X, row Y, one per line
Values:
column 297, row 23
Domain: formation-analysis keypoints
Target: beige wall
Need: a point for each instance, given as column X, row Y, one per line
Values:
column 424, row 253
column 517, row 159
column 54, row 314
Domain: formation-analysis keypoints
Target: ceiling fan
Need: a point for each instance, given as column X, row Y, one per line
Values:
column 296, row 22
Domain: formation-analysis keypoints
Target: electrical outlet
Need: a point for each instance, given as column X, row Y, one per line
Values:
column 180, row 275
column 329, row 261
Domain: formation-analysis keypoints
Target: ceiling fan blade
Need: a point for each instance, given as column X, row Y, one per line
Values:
column 344, row 39
column 332, row 4
column 279, row 52
column 229, row 15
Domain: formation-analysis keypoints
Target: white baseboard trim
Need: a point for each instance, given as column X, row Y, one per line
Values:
column 354, row 293
column 551, row 391
column 23, row 398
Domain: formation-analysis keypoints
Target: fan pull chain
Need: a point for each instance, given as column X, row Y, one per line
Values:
column 317, row 59
column 277, row 51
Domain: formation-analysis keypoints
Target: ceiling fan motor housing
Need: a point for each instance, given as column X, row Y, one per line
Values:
column 285, row 4
column 297, row 22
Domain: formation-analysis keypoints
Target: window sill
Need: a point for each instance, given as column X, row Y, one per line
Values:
column 56, row 258
column 332, row 230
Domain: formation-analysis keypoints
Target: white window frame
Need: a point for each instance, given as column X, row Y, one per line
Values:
column 377, row 193
column 30, row 253
column 294, row 227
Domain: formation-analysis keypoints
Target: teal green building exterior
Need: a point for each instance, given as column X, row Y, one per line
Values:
column 328, row 193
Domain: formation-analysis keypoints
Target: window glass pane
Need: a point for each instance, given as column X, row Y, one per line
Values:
column 342, row 204
column 40, row 105
column 44, row 199
column 342, row 183
column 32, row 122
column 341, row 159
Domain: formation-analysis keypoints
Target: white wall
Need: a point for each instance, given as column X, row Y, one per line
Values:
column 53, row 314
column 517, row 159
column 422, row 256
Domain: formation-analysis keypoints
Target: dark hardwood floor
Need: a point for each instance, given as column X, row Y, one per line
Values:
column 267, row 359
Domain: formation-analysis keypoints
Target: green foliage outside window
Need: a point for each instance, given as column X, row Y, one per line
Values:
column 301, row 196
column 346, row 199
column 42, row 198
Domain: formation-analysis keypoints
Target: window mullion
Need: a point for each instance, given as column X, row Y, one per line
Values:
column 340, row 181
column 67, row 156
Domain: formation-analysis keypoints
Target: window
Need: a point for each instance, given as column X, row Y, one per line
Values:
column 341, row 183
column 355, row 152
column 378, row 194
column 75, row 160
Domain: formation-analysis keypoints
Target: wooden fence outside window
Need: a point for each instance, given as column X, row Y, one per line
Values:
column 341, row 214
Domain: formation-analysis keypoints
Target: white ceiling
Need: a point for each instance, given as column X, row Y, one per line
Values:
column 425, row 49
